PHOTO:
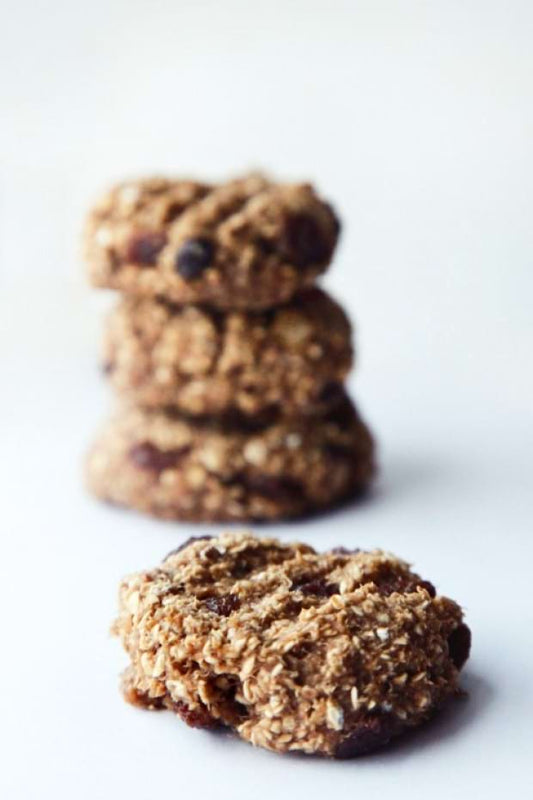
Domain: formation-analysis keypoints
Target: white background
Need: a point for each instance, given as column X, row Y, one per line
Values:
column 416, row 119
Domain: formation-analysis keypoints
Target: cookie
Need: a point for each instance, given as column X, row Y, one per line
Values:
column 178, row 468
column 333, row 654
column 198, row 361
column 248, row 243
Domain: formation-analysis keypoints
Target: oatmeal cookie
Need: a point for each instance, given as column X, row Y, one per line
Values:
column 199, row 361
column 248, row 243
column 332, row 654
column 179, row 468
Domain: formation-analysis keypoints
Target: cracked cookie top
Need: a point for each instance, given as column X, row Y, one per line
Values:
column 249, row 243
column 329, row 653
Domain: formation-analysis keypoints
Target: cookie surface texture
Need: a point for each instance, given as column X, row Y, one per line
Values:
column 179, row 468
column 249, row 243
column 333, row 654
column 288, row 361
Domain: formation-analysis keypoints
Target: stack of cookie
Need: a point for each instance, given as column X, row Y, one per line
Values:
column 228, row 361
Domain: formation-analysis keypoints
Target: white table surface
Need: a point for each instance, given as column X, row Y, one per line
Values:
column 415, row 118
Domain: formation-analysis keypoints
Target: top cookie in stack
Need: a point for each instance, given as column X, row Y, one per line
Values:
column 247, row 244
column 228, row 361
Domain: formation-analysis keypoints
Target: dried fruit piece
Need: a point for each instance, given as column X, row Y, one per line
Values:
column 147, row 456
column 371, row 734
column 186, row 543
column 316, row 586
column 459, row 645
column 143, row 248
column 223, row 605
column 193, row 257
column 304, row 242
column 198, row 717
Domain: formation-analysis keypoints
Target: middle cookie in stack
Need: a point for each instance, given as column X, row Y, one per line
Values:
column 228, row 413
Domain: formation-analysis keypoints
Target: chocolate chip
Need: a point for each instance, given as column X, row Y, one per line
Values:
column 193, row 257
column 315, row 586
column 459, row 643
column 223, row 605
column 108, row 367
column 372, row 733
column 186, row 543
column 195, row 717
column 149, row 457
column 344, row 551
column 303, row 241
column 143, row 248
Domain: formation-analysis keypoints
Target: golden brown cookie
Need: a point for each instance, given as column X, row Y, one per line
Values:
column 199, row 361
column 248, row 243
column 332, row 653
column 178, row 468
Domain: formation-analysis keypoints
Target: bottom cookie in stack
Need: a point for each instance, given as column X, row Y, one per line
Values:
column 200, row 470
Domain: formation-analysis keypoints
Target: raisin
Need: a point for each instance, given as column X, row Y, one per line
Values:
column 303, row 241
column 300, row 650
column 186, row 543
column 342, row 414
column 193, row 257
column 459, row 643
column 331, row 394
column 265, row 245
column 143, row 248
column 338, row 452
column 430, row 589
column 316, row 586
column 149, row 457
column 241, row 569
column 195, row 717
column 223, row 605
column 371, row 733
column 280, row 489
column 389, row 582
column 212, row 554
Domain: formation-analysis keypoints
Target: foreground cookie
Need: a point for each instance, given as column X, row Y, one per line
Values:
column 198, row 361
column 332, row 653
column 179, row 469
column 248, row 243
